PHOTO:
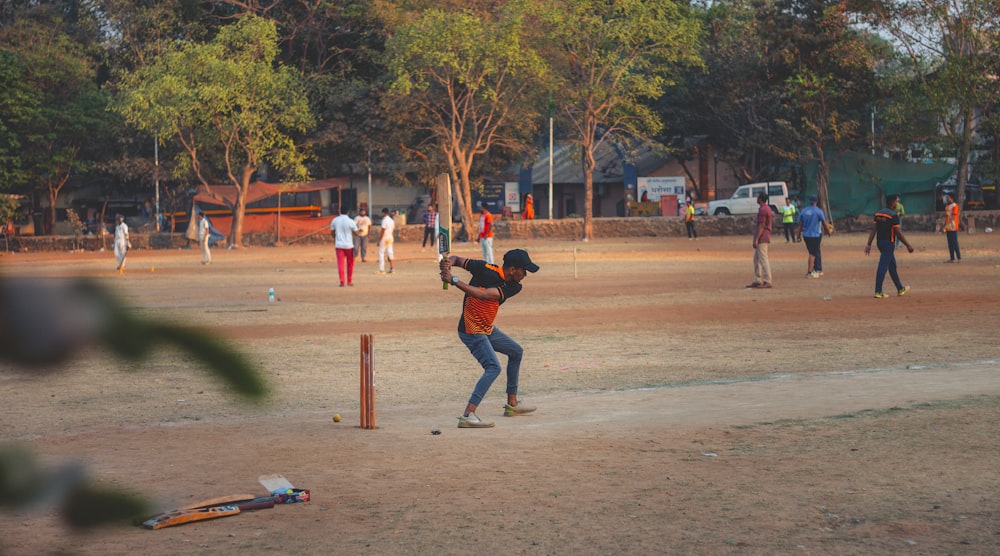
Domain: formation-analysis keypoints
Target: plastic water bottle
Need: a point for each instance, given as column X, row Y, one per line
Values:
column 270, row 295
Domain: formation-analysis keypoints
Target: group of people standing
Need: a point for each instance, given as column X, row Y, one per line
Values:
column 812, row 224
column 350, row 238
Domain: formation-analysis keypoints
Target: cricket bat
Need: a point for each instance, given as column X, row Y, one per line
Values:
column 444, row 218
column 212, row 508
column 220, row 501
column 180, row 517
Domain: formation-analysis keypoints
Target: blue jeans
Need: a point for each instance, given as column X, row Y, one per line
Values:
column 887, row 263
column 485, row 349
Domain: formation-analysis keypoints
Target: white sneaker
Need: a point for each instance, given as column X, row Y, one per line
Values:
column 472, row 421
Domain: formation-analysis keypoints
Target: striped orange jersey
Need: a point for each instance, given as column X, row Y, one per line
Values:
column 478, row 314
column 886, row 225
column 951, row 217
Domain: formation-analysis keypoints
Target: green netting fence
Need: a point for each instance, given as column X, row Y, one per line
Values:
column 859, row 183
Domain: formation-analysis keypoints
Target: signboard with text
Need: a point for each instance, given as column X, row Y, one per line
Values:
column 657, row 187
column 512, row 196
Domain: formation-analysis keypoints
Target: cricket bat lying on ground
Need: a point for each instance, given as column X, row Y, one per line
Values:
column 279, row 488
column 212, row 508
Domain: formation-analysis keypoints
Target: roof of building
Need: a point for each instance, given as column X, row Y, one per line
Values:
column 567, row 166
column 226, row 194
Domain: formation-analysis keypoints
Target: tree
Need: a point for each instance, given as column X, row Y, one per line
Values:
column 334, row 46
column 460, row 82
column 734, row 99
column 954, row 48
column 828, row 71
column 611, row 60
column 56, row 120
column 228, row 104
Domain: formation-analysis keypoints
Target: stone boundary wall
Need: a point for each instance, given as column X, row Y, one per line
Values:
column 563, row 229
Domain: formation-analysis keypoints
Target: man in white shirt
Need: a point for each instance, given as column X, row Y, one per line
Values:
column 204, row 235
column 122, row 243
column 343, row 229
column 361, row 240
column 385, row 241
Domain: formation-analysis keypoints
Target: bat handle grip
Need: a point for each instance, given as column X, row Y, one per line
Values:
column 444, row 285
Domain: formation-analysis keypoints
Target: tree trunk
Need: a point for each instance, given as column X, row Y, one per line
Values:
column 460, row 167
column 464, row 195
column 50, row 215
column 588, row 191
column 823, row 185
column 240, row 207
column 53, row 189
column 587, row 147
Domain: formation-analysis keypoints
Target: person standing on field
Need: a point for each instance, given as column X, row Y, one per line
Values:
column 486, row 232
column 761, row 241
column 689, row 221
column 885, row 228
column 385, row 241
column 812, row 226
column 788, row 219
column 489, row 287
column 344, row 230
column 361, row 239
column 122, row 243
column 204, row 236
column 951, row 229
column 430, row 223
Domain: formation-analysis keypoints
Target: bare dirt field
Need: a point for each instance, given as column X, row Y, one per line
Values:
column 678, row 412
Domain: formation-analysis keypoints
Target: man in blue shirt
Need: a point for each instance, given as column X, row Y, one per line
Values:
column 812, row 225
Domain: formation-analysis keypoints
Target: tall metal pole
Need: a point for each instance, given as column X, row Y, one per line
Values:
column 156, row 179
column 550, row 156
column 370, row 213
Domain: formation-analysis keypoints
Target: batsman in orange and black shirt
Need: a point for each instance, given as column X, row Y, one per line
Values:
column 489, row 287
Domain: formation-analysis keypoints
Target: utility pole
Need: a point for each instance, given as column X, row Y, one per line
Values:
column 370, row 213
column 156, row 179
column 550, row 155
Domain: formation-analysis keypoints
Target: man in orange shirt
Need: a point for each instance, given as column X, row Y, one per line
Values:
column 951, row 229
column 486, row 232
column 488, row 288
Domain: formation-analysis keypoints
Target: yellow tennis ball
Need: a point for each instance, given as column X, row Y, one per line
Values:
column 336, row 417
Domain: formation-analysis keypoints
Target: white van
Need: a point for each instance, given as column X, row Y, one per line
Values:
column 744, row 200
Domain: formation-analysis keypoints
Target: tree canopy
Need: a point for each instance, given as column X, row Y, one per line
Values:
column 611, row 61
column 228, row 103
column 55, row 122
column 463, row 83
column 228, row 86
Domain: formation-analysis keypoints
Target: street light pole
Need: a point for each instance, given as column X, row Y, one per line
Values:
column 156, row 178
column 551, row 109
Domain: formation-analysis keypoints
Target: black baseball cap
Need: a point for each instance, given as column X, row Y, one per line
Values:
column 518, row 258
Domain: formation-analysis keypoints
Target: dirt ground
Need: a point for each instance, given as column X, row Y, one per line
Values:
column 678, row 412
